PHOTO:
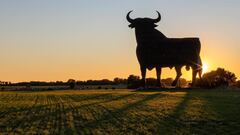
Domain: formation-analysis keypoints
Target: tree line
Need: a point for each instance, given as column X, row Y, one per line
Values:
column 130, row 80
column 62, row 83
column 216, row 78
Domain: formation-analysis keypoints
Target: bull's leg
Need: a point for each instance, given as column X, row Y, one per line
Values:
column 158, row 72
column 200, row 73
column 194, row 75
column 143, row 72
column 200, row 68
column 179, row 74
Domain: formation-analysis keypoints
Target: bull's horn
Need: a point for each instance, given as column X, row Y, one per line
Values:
column 128, row 17
column 158, row 19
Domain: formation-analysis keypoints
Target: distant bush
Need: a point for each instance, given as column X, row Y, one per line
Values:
column 71, row 83
column 151, row 81
column 133, row 82
column 28, row 87
column 183, row 82
column 167, row 81
column 49, row 88
column 217, row 78
column 118, row 80
column 237, row 84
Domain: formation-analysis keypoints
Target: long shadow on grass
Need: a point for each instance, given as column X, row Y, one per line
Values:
column 27, row 113
column 78, row 112
column 59, row 113
column 76, row 98
column 172, row 122
column 224, row 106
column 28, row 116
column 115, row 116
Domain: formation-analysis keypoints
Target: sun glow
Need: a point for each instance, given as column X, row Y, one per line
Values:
column 205, row 67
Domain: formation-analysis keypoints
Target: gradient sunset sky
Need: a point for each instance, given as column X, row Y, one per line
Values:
column 49, row 40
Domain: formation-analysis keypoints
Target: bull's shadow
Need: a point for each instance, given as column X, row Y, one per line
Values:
column 155, row 50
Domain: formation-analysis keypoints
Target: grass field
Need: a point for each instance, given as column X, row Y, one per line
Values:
column 120, row 112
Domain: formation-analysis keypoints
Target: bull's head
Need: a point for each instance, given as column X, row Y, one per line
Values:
column 143, row 22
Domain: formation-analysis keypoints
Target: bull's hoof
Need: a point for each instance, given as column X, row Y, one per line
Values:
column 192, row 85
column 159, row 85
column 143, row 83
column 174, row 83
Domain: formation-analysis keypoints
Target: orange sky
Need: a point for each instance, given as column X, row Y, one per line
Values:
column 49, row 41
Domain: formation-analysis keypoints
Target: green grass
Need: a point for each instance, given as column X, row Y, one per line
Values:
column 120, row 112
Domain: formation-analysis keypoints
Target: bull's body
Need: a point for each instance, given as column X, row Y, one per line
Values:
column 169, row 52
column 155, row 50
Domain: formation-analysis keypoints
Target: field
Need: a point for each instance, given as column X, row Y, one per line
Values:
column 120, row 112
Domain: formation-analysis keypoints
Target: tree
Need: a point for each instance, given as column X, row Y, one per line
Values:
column 237, row 84
column 71, row 83
column 151, row 81
column 117, row 80
column 183, row 82
column 133, row 82
column 217, row 78
column 167, row 81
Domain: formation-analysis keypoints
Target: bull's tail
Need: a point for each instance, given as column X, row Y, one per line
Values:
column 200, row 70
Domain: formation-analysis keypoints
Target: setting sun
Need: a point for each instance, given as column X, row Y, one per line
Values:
column 205, row 67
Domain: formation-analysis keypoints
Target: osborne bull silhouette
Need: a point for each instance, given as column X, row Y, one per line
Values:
column 155, row 50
